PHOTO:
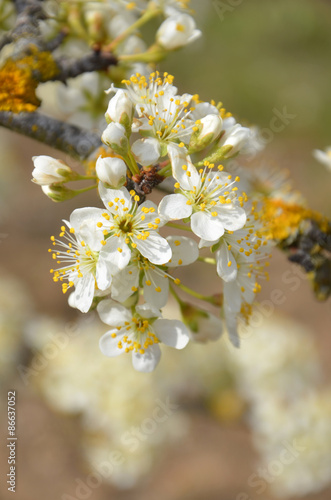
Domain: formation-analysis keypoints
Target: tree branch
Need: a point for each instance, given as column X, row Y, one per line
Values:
column 74, row 141
column 96, row 61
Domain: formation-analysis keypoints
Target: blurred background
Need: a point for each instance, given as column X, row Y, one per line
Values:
column 210, row 422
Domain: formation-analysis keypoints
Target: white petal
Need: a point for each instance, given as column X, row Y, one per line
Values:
column 113, row 314
column 108, row 196
column 123, row 282
column 206, row 243
column 174, row 206
column 109, row 345
column 206, row 226
column 103, row 274
column 323, row 157
column 155, row 248
column 111, row 170
column 202, row 109
column 84, row 292
column 148, row 361
column 172, row 332
column 150, row 216
column 116, row 253
column 232, row 217
column 148, row 311
column 232, row 296
column 179, row 159
column 156, row 294
column 146, row 151
column 226, row 264
column 185, row 251
column 231, row 326
column 84, row 221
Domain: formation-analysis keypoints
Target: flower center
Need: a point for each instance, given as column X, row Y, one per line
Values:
column 77, row 256
column 140, row 336
column 125, row 225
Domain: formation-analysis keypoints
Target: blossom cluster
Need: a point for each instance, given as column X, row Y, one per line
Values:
column 111, row 26
column 111, row 257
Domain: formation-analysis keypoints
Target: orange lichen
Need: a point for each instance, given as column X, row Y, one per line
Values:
column 283, row 219
column 20, row 78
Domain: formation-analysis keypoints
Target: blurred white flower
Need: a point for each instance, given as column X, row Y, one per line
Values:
column 324, row 157
column 176, row 31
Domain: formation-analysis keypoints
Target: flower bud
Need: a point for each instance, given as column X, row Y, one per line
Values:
column 177, row 31
column 59, row 193
column 94, row 20
column 146, row 151
column 111, row 171
column 120, row 110
column 210, row 128
column 237, row 138
column 114, row 136
column 48, row 170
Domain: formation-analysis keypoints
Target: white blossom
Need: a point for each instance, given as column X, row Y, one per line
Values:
column 176, row 31
column 84, row 261
column 139, row 333
column 126, row 227
column 324, row 157
column 207, row 198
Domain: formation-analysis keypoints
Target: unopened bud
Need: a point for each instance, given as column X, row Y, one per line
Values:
column 114, row 136
column 111, row 171
column 48, row 170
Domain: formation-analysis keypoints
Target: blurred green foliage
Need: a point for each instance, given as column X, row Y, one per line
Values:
column 263, row 54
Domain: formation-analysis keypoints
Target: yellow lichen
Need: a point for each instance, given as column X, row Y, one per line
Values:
column 20, row 78
column 283, row 219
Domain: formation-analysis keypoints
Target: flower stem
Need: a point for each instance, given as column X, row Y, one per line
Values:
column 151, row 12
column 207, row 260
column 175, row 294
column 197, row 295
column 86, row 177
column 83, row 190
column 165, row 171
column 131, row 163
column 178, row 226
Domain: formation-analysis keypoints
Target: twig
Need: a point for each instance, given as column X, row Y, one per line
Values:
column 96, row 61
column 74, row 141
